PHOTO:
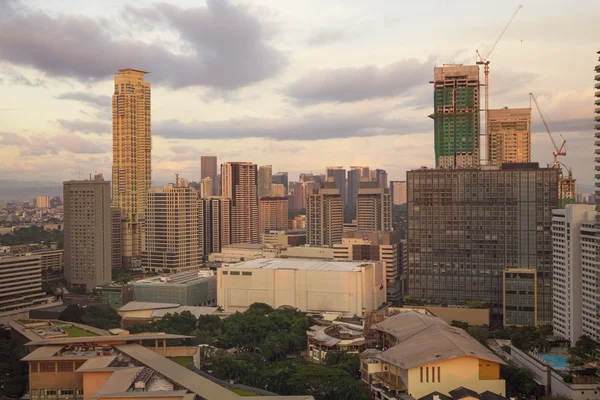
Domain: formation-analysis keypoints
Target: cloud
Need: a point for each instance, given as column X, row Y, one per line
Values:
column 93, row 100
column 315, row 126
column 17, row 78
column 40, row 145
column 228, row 48
column 327, row 36
column 78, row 125
column 360, row 83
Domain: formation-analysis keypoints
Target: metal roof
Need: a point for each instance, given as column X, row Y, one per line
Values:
column 96, row 363
column 406, row 324
column 119, row 381
column 106, row 339
column 156, row 393
column 298, row 264
column 144, row 305
column 43, row 353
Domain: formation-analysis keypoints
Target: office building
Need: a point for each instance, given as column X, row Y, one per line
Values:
column 337, row 174
column 115, row 294
column 132, row 155
column 265, row 176
column 509, row 138
column 42, row 202
column 88, row 236
column 348, row 287
column 299, row 196
column 172, row 241
column 284, row 238
column 278, row 190
column 398, row 192
column 373, row 208
column 206, row 187
column 386, row 247
column 381, row 177
column 356, row 175
column 281, row 178
column 216, row 223
column 208, row 169
column 116, row 239
column 239, row 183
column 21, row 287
column 456, row 116
column 272, row 214
column 325, row 216
column 466, row 227
column 190, row 288
column 567, row 269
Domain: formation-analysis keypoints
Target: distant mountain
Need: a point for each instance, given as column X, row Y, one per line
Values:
column 11, row 190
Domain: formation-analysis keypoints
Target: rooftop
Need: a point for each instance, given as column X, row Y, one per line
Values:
column 143, row 305
column 180, row 278
column 107, row 339
column 299, row 264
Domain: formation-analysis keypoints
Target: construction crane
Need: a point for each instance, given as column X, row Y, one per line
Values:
column 558, row 151
column 480, row 60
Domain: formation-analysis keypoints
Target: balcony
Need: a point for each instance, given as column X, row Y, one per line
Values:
column 390, row 381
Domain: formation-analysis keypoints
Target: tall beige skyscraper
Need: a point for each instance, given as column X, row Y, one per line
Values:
column 132, row 146
column 265, row 176
column 171, row 230
column 272, row 214
column 398, row 192
column 278, row 190
column 239, row 183
column 509, row 138
column 216, row 223
column 206, row 187
column 87, row 228
column 325, row 216
column 373, row 208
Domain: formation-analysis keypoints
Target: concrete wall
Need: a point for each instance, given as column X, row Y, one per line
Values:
column 175, row 351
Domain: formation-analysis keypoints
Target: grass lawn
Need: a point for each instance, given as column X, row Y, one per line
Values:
column 182, row 360
column 244, row 392
column 78, row 332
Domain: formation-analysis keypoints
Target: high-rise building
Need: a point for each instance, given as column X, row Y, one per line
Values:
column 171, row 238
column 299, row 196
column 398, row 192
column 590, row 265
column 281, row 178
column 21, row 278
column 509, row 138
column 278, row 190
column 208, row 169
column 239, row 183
column 88, row 241
column 456, row 116
column 117, row 255
column 206, row 187
column 42, row 201
column 216, row 223
column 356, row 175
column 325, row 216
column 337, row 174
column 132, row 147
column 272, row 214
column 381, row 177
column 567, row 270
column 265, row 176
column 466, row 227
column 373, row 208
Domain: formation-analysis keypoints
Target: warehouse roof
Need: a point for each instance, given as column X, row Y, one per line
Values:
column 42, row 353
column 107, row 339
column 298, row 264
column 144, row 305
column 406, row 324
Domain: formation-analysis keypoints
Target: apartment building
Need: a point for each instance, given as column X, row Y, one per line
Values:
column 373, row 208
column 239, row 183
column 216, row 223
column 272, row 214
column 324, row 216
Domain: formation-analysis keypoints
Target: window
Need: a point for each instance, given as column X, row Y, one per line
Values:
column 247, row 273
column 426, row 374
column 439, row 375
column 34, row 367
column 65, row 367
column 47, row 367
column 432, row 374
column 50, row 392
column 225, row 272
column 234, row 273
column 421, row 374
column 66, row 392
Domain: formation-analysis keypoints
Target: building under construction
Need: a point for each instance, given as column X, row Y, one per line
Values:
column 509, row 137
column 456, row 116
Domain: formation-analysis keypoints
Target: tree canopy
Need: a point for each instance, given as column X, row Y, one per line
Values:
column 13, row 372
column 98, row 317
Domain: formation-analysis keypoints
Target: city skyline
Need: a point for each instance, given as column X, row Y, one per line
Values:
column 287, row 120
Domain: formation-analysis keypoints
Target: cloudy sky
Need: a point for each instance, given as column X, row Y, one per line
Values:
column 299, row 84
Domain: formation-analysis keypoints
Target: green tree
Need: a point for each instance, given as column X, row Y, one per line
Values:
column 72, row 313
column 480, row 333
column 13, row 372
column 326, row 383
column 460, row 324
column 349, row 362
column 520, row 382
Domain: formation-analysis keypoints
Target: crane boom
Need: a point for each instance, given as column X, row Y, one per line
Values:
column 557, row 151
column 484, row 59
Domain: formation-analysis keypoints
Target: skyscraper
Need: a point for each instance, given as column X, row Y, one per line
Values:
column 381, row 177
column 337, row 174
column 208, row 169
column 325, row 216
column 398, row 192
column 278, row 190
column 281, row 178
column 239, row 183
column 355, row 176
column 456, row 116
column 171, row 238
column 373, row 208
column 509, row 138
column 206, row 187
column 272, row 214
column 88, row 243
column 216, row 223
column 132, row 146
column 265, row 176
column 476, row 235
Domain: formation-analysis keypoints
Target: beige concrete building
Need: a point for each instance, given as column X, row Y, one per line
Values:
column 398, row 192
column 206, row 187
column 21, row 283
column 132, row 148
column 51, row 263
column 42, row 201
column 272, row 214
column 509, row 138
column 239, row 183
column 265, row 177
column 325, row 216
column 216, row 223
column 171, row 231
column 350, row 288
column 88, row 225
column 208, row 169
column 278, row 190
column 284, row 238
column 374, row 208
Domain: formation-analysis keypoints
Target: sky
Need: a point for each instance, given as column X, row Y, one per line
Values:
column 297, row 84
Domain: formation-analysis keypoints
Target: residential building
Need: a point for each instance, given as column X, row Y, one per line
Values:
column 42, row 201
column 88, row 236
column 116, row 238
column 381, row 177
column 278, row 190
column 206, row 187
column 299, row 199
column 190, row 288
column 132, row 155
column 386, row 247
column 426, row 358
column 216, row 223
column 299, row 222
column 21, row 283
column 509, row 138
column 350, row 288
column 590, row 265
column 356, row 175
column 208, row 169
column 272, row 214
column 374, row 208
column 456, row 116
column 265, row 176
column 284, row 238
column 325, row 216
column 337, row 174
column 281, row 178
column 239, row 183
column 172, row 241
column 466, row 227
column 398, row 192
